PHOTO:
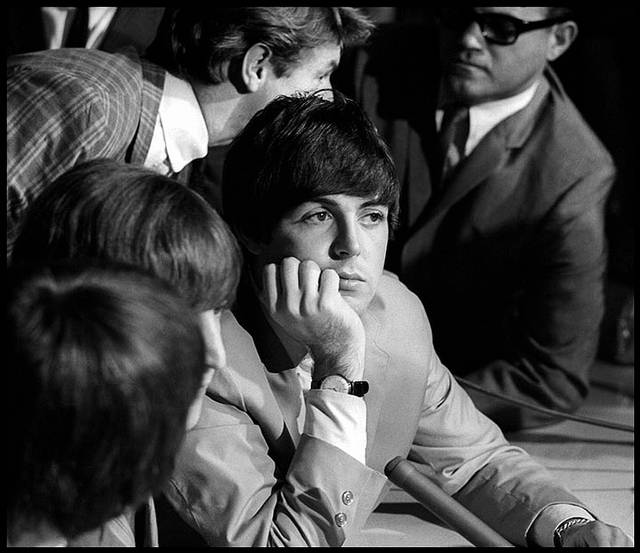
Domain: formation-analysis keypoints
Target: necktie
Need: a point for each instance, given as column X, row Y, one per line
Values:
column 453, row 136
column 79, row 29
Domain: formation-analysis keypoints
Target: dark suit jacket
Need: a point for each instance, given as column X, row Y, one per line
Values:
column 130, row 27
column 508, row 256
column 245, row 475
column 126, row 530
column 71, row 105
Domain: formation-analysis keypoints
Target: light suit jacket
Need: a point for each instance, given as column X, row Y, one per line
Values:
column 71, row 105
column 246, row 477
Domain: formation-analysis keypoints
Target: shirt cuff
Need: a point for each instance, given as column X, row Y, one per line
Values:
column 541, row 530
column 339, row 419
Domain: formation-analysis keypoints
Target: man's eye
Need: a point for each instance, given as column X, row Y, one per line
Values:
column 317, row 217
column 374, row 217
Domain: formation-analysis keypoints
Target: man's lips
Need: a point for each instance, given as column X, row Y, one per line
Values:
column 350, row 281
column 465, row 64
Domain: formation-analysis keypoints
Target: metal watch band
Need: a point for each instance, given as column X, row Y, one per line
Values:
column 557, row 534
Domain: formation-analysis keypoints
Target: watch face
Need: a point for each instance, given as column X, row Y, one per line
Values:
column 335, row 382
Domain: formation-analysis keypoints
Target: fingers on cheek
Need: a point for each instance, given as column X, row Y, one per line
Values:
column 309, row 275
column 270, row 285
column 329, row 285
column 290, row 285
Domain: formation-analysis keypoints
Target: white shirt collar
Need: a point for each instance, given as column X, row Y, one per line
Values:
column 483, row 117
column 180, row 134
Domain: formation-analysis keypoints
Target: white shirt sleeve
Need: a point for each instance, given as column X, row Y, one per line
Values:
column 339, row 419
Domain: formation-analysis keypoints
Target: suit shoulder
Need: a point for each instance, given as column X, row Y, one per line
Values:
column 572, row 134
column 393, row 297
column 93, row 67
column 242, row 354
column 401, row 326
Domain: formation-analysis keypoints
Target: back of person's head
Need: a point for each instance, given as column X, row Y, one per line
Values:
column 104, row 363
column 107, row 210
column 205, row 43
column 300, row 148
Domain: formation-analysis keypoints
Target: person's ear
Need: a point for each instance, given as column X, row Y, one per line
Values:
column 561, row 37
column 255, row 66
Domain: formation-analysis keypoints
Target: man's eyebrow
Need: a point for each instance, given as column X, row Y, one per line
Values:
column 332, row 202
column 374, row 202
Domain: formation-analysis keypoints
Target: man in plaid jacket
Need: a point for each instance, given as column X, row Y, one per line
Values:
column 204, row 77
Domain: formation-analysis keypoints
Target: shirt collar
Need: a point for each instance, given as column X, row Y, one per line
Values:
column 483, row 117
column 183, row 127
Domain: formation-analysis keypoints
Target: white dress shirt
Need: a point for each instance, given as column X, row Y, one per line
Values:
column 180, row 134
column 483, row 117
column 337, row 418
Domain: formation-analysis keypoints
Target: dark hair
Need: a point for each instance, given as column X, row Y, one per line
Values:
column 560, row 11
column 104, row 209
column 299, row 148
column 197, row 43
column 104, row 364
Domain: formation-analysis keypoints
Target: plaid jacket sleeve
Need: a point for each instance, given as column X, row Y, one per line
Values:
column 64, row 107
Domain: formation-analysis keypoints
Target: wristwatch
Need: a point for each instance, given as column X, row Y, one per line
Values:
column 339, row 383
column 562, row 527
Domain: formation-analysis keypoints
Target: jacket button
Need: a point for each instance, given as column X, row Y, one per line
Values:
column 347, row 497
column 341, row 519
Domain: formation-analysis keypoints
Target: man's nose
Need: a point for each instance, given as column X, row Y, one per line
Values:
column 471, row 37
column 347, row 242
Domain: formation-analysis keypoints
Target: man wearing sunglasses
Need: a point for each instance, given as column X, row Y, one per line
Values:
column 503, row 233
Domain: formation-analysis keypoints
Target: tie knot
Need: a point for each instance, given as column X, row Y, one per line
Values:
column 453, row 116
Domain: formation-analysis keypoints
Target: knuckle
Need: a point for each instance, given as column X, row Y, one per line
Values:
column 290, row 262
column 309, row 264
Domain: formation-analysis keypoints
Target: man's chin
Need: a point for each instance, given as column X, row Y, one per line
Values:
column 357, row 302
column 465, row 88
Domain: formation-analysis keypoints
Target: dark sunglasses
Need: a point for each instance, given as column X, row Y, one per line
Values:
column 497, row 28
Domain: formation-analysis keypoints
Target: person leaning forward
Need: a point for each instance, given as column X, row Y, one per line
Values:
column 204, row 76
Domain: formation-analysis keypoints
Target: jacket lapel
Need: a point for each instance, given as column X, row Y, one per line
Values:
column 280, row 368
column 490, row 154
column 376, row 373
column 153, row 78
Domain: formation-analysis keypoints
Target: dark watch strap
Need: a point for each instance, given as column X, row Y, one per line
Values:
column 359, row 388
column 562, row 527
column 355, row 387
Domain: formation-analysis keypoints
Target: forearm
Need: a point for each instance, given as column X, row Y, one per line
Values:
column 240, row 478
column 511, row 492
column 467, row 455
column 530, row 382
column 245, row 500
